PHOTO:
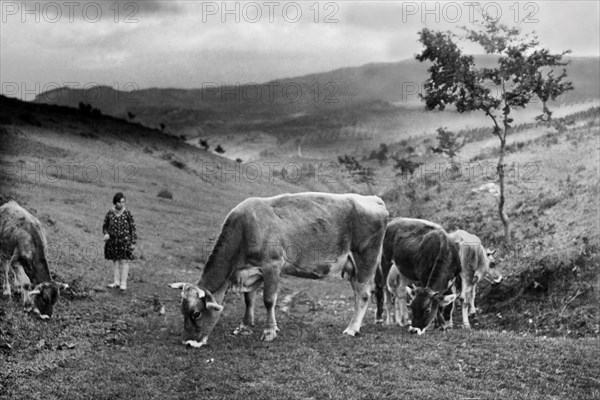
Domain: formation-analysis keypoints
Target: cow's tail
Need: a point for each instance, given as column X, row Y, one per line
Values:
column 383, row 268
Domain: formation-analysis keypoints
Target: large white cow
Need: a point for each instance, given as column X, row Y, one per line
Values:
column 23, row 252
column 307, row 234
column 475, row 265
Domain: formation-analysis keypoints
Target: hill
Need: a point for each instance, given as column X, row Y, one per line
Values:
column 346, row 93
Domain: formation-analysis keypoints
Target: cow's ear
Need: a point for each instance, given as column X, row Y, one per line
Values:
column 62, row 286
column 448, row 299
column 211, row 302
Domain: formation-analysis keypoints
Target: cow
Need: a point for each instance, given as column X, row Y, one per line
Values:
column 309, row 235
column 23, row 252
column 420, row 251
column 476, row 262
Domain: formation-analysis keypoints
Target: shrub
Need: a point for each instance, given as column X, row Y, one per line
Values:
column 549, row 203
column 165, row 194
column 178, row 164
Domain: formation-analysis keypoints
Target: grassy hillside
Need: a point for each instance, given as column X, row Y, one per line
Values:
column 536, row 336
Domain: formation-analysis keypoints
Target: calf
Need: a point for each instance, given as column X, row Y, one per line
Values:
column 476, row 262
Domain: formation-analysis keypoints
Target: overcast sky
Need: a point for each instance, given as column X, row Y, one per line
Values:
column 186, row 44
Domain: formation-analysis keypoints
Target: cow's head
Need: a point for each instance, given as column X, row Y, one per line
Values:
column 42, row 298
column 200, row 313
column 425, row 305
column 492, row 275
column 489, row 254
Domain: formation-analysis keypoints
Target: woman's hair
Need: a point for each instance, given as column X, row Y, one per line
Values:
column 118, row 197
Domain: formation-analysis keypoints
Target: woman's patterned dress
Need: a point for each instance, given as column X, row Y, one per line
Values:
column 122, row 235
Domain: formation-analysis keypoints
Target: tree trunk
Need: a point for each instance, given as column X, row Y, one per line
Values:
column 503, row 216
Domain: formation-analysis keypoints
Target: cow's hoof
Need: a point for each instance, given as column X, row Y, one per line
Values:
column 242, row 330
column 351, row 332
column 467, row 326
column 269, row 334
column 379, row 321
column 194, row 343
column 447, row 326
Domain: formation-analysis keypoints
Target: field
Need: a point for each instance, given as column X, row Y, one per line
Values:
column 529, row 341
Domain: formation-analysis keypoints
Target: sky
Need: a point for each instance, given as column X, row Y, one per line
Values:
column 190, row 44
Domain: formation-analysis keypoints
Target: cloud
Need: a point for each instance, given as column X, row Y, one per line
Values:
column 186, row 43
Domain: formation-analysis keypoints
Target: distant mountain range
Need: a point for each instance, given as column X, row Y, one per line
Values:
column 378, row 86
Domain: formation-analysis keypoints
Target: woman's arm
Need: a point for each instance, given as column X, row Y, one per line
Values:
column 106, row 223
column 132, row 230
column 105, row 226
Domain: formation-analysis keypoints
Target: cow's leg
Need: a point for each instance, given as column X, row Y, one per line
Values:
column 465, row 291
column 362, row 294
column 388, row 300
column 397, row 284
column 249, row 313
column 271, row 287
column 20, row 278
column 472, row 309
column 466, row 296
column 361, row 269
column 448, row 311
column 391, row 284
column 6, row 278
column 379, row 296
column 245, row 327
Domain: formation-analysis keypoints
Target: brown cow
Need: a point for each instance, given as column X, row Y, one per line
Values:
column 308, row 235
column 419, row 251
column 23, row 251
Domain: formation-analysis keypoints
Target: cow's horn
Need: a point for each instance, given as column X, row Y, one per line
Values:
column 214, row 306
column 201, row 293
column 178, row 285
column 36, row 291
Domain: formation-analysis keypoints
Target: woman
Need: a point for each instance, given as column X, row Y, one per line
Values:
column 120, row 238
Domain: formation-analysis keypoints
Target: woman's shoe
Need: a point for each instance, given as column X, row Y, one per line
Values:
column 113, row 285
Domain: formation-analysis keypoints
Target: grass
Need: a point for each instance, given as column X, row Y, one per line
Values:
column 122, row 349
column 105, row 344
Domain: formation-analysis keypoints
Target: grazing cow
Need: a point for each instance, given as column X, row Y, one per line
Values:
column 308, row 235
column 476, row 262
column 23, row 251
column 420, row 251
